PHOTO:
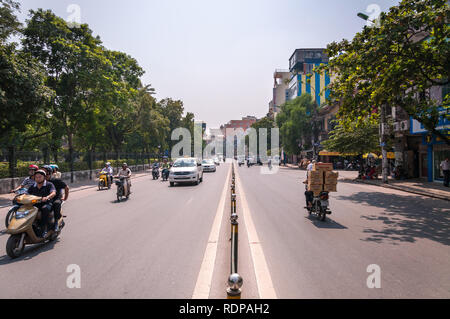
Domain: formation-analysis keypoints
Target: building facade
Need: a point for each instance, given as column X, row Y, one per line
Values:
column 303, row 79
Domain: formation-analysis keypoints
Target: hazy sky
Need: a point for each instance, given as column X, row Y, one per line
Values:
column 216, row 56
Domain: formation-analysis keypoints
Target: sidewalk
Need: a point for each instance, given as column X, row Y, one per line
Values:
column 5, row 199
column 415, row 186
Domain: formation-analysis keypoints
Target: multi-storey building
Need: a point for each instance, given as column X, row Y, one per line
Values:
column 281, row 80
column 303, row 79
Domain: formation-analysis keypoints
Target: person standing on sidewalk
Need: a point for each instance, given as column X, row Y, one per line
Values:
column 445, row 166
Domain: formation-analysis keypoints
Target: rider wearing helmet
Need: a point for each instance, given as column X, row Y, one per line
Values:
column 47, row 191
column 125, row 172
column 57, row 201
column 55, row 171
column 109, row 171
column 27, row 182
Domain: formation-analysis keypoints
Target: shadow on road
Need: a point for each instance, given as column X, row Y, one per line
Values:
column 29, row 252
column 405, row 218
column 328, row 223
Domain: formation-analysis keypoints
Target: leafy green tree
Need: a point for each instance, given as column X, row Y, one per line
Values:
column 295, row 123
column 9, row 24
column 23, row 93
column 354, row 138
column 268, row 123
column 395, row 64
column 82, row 73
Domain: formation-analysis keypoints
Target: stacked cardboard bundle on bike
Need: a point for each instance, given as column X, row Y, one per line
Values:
column 322, row 178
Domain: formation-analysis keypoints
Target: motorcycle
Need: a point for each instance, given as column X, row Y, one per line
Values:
column 103, row 180
column 25, row 228
column 15, row 207
column 155, row 173
column 319, row 205
column 120, row 182
column 165, row 174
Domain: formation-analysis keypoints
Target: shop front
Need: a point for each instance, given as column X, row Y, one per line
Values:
column 432, row 151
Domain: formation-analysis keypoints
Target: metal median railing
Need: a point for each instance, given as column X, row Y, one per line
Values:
column 234, row 280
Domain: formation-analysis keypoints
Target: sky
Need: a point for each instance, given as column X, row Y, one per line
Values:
column 218, row 57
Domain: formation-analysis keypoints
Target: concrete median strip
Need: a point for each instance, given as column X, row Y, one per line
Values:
column 264, row 282
column 203, row 284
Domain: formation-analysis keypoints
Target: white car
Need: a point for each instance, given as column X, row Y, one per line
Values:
column 208, row 165
column 216, row 161
column 186, row 170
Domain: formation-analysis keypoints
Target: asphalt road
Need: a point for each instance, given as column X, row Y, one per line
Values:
column 154, row 245
column 150, row 246
column 406, row 235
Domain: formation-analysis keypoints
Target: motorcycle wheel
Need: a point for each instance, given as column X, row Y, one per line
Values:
column 322, row 215
column 9, row 216
column 12, row 246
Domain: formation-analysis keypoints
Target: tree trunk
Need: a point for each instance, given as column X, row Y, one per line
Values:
column 45, row 154
column 70, row 140
column 12, row 163
column 90, row 164
column 384, row 163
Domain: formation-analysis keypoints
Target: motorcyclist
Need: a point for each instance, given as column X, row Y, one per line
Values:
column 109, row 172
column 47, row 191
column 27, row 182
column 55, row 171
column 125, row 172
column 57, row 201
column 165, row 166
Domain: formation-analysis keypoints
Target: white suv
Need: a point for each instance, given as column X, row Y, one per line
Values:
column 186, row 170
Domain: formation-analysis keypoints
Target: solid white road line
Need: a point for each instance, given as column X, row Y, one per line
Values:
column 204, row 279
column 262, row 274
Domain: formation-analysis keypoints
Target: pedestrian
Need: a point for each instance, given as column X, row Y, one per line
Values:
column 445, row 166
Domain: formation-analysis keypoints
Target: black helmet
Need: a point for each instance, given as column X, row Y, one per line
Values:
column 48, row 168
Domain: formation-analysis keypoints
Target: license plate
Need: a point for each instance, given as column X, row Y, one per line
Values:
column 324, row 202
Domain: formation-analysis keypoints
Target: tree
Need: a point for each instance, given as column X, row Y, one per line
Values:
column 354, row 138
column 295, row 123
column 394, row 64
column 9, row 24
column 23, row 93
column 82, row 73
column 267, row 123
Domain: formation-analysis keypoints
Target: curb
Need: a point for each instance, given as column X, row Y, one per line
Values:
column 406, row 190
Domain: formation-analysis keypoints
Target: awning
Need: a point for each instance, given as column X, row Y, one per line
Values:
column 390, row 155
column 327, row 153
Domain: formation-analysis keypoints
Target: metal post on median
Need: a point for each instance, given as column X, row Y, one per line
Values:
column 235, row 281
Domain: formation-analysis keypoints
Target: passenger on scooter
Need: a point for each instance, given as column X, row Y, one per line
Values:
column 109, row 171
column 125, row 172
column 47, row 191
column 55, row 171
column 57, row 201
column 309, row 196
column 29, row 181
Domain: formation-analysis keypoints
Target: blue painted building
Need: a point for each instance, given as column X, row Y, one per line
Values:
column 304, row 80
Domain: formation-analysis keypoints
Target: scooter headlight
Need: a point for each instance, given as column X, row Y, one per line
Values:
column 20, row 215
